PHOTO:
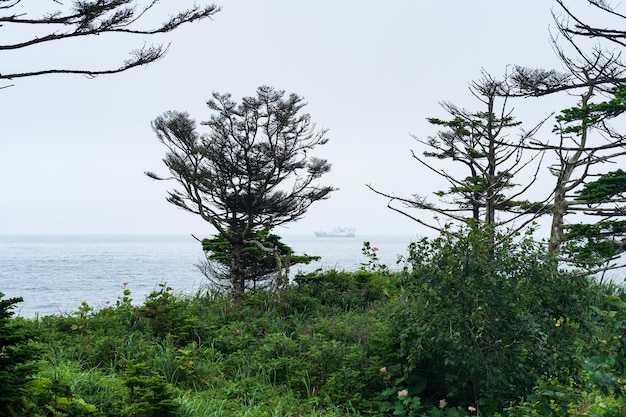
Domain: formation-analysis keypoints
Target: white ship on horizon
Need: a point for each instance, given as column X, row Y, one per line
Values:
column 337, row 232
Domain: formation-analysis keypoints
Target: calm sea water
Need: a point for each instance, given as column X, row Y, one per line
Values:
column 54, row 274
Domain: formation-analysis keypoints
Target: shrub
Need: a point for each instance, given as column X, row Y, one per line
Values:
column 57, row 393
column 482, row 316
column 596, row 388
column 343, row 290
column 150, row 395
column 169, row 315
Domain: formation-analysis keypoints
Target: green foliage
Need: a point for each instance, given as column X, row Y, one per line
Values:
column 401, row 404
column 592, row 114
column 219, row 248
column 17, row 357
column 467, row 140
column 284, row 353
column 591, row 245
column 346, row 290
column 373, row 261
column 400, row 401
column 604, row 188
column 487, row 161
column 149, row 394
column 54, row 397
column 596, row 388
column 265, row 258
column 166, row 314
column 474, row 322
column 481, row 316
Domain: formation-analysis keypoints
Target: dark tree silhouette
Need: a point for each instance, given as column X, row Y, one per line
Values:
column 599, row 68
column 87, row 19
column 250, row 172
column 575, row 25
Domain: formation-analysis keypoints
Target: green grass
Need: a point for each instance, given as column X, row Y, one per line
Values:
column 316, row 349
column 281, row 354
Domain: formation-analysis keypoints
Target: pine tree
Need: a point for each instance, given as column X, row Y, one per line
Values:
column 18, row 353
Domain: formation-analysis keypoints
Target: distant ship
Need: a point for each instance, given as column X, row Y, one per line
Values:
column 338, row 232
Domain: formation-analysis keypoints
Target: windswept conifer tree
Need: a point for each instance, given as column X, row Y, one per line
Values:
column 251, row 171
column 586, row 229
column 480, row 143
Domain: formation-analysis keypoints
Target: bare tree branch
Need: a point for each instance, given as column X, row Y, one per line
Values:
column 94, row 18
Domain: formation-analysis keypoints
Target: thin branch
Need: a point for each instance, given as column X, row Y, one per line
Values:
column 96, row 18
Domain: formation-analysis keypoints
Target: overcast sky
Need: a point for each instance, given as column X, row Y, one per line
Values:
column 73, row 150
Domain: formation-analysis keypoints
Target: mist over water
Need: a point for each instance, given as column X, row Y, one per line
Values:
column 55, row 273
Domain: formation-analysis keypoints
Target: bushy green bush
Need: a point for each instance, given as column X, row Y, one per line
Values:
column 597, row 387
column 57, row 392
column 481, row 316
column 344, row 290
column 168, row 314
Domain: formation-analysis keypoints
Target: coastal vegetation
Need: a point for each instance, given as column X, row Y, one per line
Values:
column 472, row 323
column 483, row 319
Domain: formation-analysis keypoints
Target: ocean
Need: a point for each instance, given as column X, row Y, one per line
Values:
column 56, row 273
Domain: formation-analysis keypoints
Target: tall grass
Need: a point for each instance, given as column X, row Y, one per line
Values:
column 319, row 348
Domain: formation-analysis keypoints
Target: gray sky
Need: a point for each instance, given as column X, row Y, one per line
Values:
column 73, row 150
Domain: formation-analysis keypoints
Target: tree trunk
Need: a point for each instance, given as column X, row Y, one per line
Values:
column 558, row 215
column 490, row 189
column 238, row 274
column 565, row 183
